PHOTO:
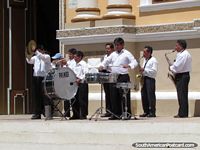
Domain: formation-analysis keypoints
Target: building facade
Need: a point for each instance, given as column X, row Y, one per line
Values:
column 89, row 24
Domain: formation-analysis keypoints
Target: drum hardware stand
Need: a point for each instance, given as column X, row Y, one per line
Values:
column 125, row 114
column 70, row 107
column 55, row 107
column 99, row 111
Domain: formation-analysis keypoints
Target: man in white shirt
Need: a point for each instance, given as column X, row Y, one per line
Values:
column 41, row 66
column 58, row 61
column 109, row 49
column 80, row 106
column 181, row 68
column 148, row 71
column 71, row 63
column 119, row 61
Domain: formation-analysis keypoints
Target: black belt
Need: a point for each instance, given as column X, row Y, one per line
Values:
column 183, row 73
column 121, row 75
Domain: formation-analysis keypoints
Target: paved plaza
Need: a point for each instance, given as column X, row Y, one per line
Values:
column 20, row 132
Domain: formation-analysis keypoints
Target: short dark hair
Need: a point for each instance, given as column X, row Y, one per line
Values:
column 110, row 44
column 149, row 49
column 119, row 40
column 79, row 54
column 72, row 50
column 182, row 43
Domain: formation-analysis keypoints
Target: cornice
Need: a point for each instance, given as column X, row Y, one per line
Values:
column 131, row 33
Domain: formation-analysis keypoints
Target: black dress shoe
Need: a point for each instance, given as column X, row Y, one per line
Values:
column 113, row 118
column 144, row 115
column 83, row 117
column 74, row 118
column 151, row 115
column 106, row 115
column 177, row 116
column 35, row 116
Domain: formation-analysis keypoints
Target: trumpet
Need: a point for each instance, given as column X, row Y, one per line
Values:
column 170, row 74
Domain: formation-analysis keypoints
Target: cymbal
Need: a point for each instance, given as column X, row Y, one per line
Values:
column 28, row 52
column 31, row 44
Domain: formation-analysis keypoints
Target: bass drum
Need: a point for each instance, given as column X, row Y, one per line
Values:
column 60, row 83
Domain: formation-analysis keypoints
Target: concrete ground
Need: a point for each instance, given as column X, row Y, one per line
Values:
column 20, row 132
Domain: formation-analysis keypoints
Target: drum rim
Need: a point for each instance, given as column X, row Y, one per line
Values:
column 53, row 87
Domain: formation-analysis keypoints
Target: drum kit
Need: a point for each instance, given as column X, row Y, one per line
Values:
column 59, row 83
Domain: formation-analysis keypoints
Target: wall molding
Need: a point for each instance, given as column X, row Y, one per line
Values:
column 169, row 5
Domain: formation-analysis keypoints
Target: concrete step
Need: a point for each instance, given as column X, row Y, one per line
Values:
column 19, row 132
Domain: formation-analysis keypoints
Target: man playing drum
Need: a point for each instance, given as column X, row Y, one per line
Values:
column 120, row 61
column 80, row 106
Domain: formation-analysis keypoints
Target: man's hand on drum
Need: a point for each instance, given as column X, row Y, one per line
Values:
column 100, row 68
column 78, row 81
column 125, row 66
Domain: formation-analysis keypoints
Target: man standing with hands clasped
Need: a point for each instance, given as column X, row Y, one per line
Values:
column 149, row 71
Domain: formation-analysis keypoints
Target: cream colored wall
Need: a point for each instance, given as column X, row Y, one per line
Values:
column 166, row 16
column 157, row 17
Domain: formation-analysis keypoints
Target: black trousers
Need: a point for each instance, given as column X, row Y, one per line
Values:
column 38, row 106
column 80, row 106
column 148, row 95
column 182, row 81
column 106, row 87
column 117, row 99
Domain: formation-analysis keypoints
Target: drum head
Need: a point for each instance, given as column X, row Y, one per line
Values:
column 64, row 83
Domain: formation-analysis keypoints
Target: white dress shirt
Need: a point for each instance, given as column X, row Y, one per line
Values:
column 151, row 67
column 183, row 62
column 41, row 62
column 116, row 61
column 80, row 69
column 71, row 63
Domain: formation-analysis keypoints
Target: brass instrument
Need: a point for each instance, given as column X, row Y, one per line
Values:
column 29, row 49
column 170, row 74
column 139, row 75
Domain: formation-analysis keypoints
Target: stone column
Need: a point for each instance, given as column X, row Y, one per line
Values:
column 119, row 9
column 87, row 10
column 145, row 2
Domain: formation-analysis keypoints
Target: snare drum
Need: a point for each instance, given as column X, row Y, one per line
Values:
column 60, row 83
column 92, row 78
column 108, row 77
column 124, row 85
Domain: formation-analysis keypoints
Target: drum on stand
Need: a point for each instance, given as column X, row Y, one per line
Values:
column 92, row 77
column 108, row 77
column 60, row 83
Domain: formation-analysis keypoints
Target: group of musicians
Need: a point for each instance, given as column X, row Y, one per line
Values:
column 119, row 61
